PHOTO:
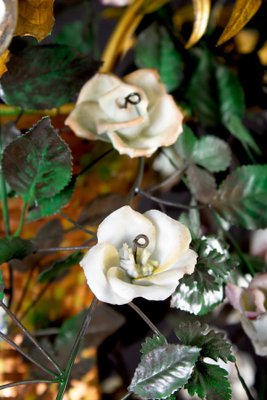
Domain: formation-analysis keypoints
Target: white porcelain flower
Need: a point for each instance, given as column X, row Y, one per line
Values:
column 135, row 114
column 138, row 255
column 116, row 3
column 251, row 302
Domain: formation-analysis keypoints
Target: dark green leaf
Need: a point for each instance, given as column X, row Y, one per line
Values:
column 202, row 184
column 212, row 153
column 155, row 49
column 152, row 343
column 38, row 164
column 212, row 344
column 209, row 382
column 163, row 371
column 237, row 129
column 242, row 197
column 200, row 292
column 2, row 287
column 52, row 205
column 231, row 93
column 60, row 267
column 15, row 248
column 46, row 76
column 185, row 143
column 200, row 92
column 77, row 34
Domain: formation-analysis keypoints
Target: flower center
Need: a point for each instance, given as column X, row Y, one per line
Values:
column 136, row 261
column 132, row 98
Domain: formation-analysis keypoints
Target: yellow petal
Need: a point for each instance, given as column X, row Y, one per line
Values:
column 243, row 11
column 35, row 18
column 202, row 13
column 8, row 21
column 3, row 61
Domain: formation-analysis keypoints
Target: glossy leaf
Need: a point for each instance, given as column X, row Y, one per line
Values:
column 242, row 197
column 155, row 49
column 202, row 101
column 201, row 18
column 202, row 184
column 38, row 164
column 163, row 371
column 185, row 143
column 209, row 382
column 237, row 129
column 35, row 18
column 8, row 21
column 192, row 220
column 52, row 205
column 212, row 153
column 15, row 248
column 45, row 76
column 77, row 34
column 213, row 344
column 232, row 106
column 60, row 267
column 2, row 286
column 243, row 11
column 152, row 343
column 200, row 292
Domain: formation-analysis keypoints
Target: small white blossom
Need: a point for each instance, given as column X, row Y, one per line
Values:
column 138, row 255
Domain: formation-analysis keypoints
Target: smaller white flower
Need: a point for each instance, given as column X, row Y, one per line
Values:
column 138, row 255
column 116, row 3
column 251, row 302
column 135, row 113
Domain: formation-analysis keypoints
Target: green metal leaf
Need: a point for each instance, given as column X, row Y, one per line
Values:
column 52, row 205
column 152, row 343
column 212, row 344
column 45, row 76
column 60, row 267
column 242, row 197
column 212, row 153
column 2, row 287
column 185, row 144
column 202, row 101
column 201, row 291
column 15, row 248
column 209, row 382
column 237, row 129
column 37, row 165
column 155, row 49
column 202, row 183
column 163, row 371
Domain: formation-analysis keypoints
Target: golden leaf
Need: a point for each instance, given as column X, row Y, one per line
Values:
column 202, row 13
column 8, row 21
column 3, row 60
column 35, row 18
column 243, row 11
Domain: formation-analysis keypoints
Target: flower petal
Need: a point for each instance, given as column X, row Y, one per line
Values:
column 127, row 147
column 234, row 294
column 173, row 239
column 123, row 225
column 129, row 291
column 149, row 81
column 170, row 277
column 96, row 263
column 257, row 332
column 98, row 86
column 82, row 120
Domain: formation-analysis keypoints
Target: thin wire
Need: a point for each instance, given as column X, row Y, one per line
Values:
column 27, row 382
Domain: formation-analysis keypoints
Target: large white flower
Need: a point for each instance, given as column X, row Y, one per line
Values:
column 251, row 302
column 138, row 255
column 135, row 114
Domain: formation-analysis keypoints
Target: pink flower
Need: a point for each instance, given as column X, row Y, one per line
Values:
column 251, row 304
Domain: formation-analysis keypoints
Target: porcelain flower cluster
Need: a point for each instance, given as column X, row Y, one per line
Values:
column 135, row 113
column 138, row 255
